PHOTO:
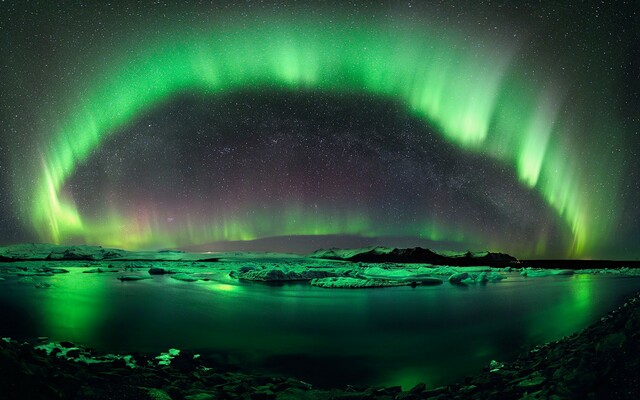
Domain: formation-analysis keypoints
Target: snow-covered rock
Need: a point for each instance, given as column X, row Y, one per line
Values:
column 484, row 277
column 354, row 283
column 344, row 254
column 71, row 352
column 469, row 278
column 276, row 274
column 99, row 270
column 536, row 273
column 419, row 275
column 459, row 278
column 165, row 358
column 185, row 277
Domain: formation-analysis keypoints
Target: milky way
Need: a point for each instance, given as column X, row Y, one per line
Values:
column 238, row 128
column 310, row 164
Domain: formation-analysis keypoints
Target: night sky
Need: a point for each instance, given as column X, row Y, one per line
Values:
column 292, row 126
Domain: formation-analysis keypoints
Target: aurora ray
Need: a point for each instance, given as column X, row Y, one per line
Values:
column 477, row 98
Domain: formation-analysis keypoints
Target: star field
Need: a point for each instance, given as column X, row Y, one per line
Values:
column 475, row 126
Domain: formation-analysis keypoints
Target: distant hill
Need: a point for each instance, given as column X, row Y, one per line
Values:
column 414, row 255
column 51, row 252
column 345, row 254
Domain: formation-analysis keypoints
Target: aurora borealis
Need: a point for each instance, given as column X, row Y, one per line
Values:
column 176, row 126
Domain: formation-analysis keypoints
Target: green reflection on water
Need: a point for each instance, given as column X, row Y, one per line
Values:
column 75, row 307
column 571, row 311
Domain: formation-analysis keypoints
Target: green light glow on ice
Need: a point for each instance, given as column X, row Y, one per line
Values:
column 474, row 96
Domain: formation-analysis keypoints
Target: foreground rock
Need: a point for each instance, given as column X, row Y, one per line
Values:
column 601, row 362
column 66, row 371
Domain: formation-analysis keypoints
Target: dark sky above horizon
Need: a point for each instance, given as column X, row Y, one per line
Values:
column 460, row 125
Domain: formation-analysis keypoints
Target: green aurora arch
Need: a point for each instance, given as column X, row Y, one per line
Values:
column 475, row 97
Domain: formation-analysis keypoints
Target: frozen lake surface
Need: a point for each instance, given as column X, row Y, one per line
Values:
column 329, row 337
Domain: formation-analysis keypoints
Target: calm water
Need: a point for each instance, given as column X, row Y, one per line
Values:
column 391, row 336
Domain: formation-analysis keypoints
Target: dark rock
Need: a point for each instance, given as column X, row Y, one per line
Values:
column 120, row 363
column 73, row 353
column 430, row 281
column 157, row 271
column 126, row 278
column 296, row 394
column 351, row 396
column 213, row 379
column 184, row 362
column 55, row 270
column 173, row 391
column 611, row 342
column 467, row 389
column 266, row 394
column 200, row 395
column 532, row 381
column 407, row 396
column 419, row 388
column 390, row 390
column 158, row 394
column 294, row 383
column 435, row 392
column 421, row 255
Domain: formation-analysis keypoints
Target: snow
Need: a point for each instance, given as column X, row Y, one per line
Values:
column 536, row 273
column 165, row 358
column 82, row 355
column 342, row 254
column 277, row 273
column 354, row 283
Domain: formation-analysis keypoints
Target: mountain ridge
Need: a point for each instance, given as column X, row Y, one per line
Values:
column 379, row 254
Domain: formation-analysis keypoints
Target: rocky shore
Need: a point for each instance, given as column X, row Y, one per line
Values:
column 600, row 362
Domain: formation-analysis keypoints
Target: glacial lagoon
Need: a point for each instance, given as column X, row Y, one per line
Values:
column 328, row 337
